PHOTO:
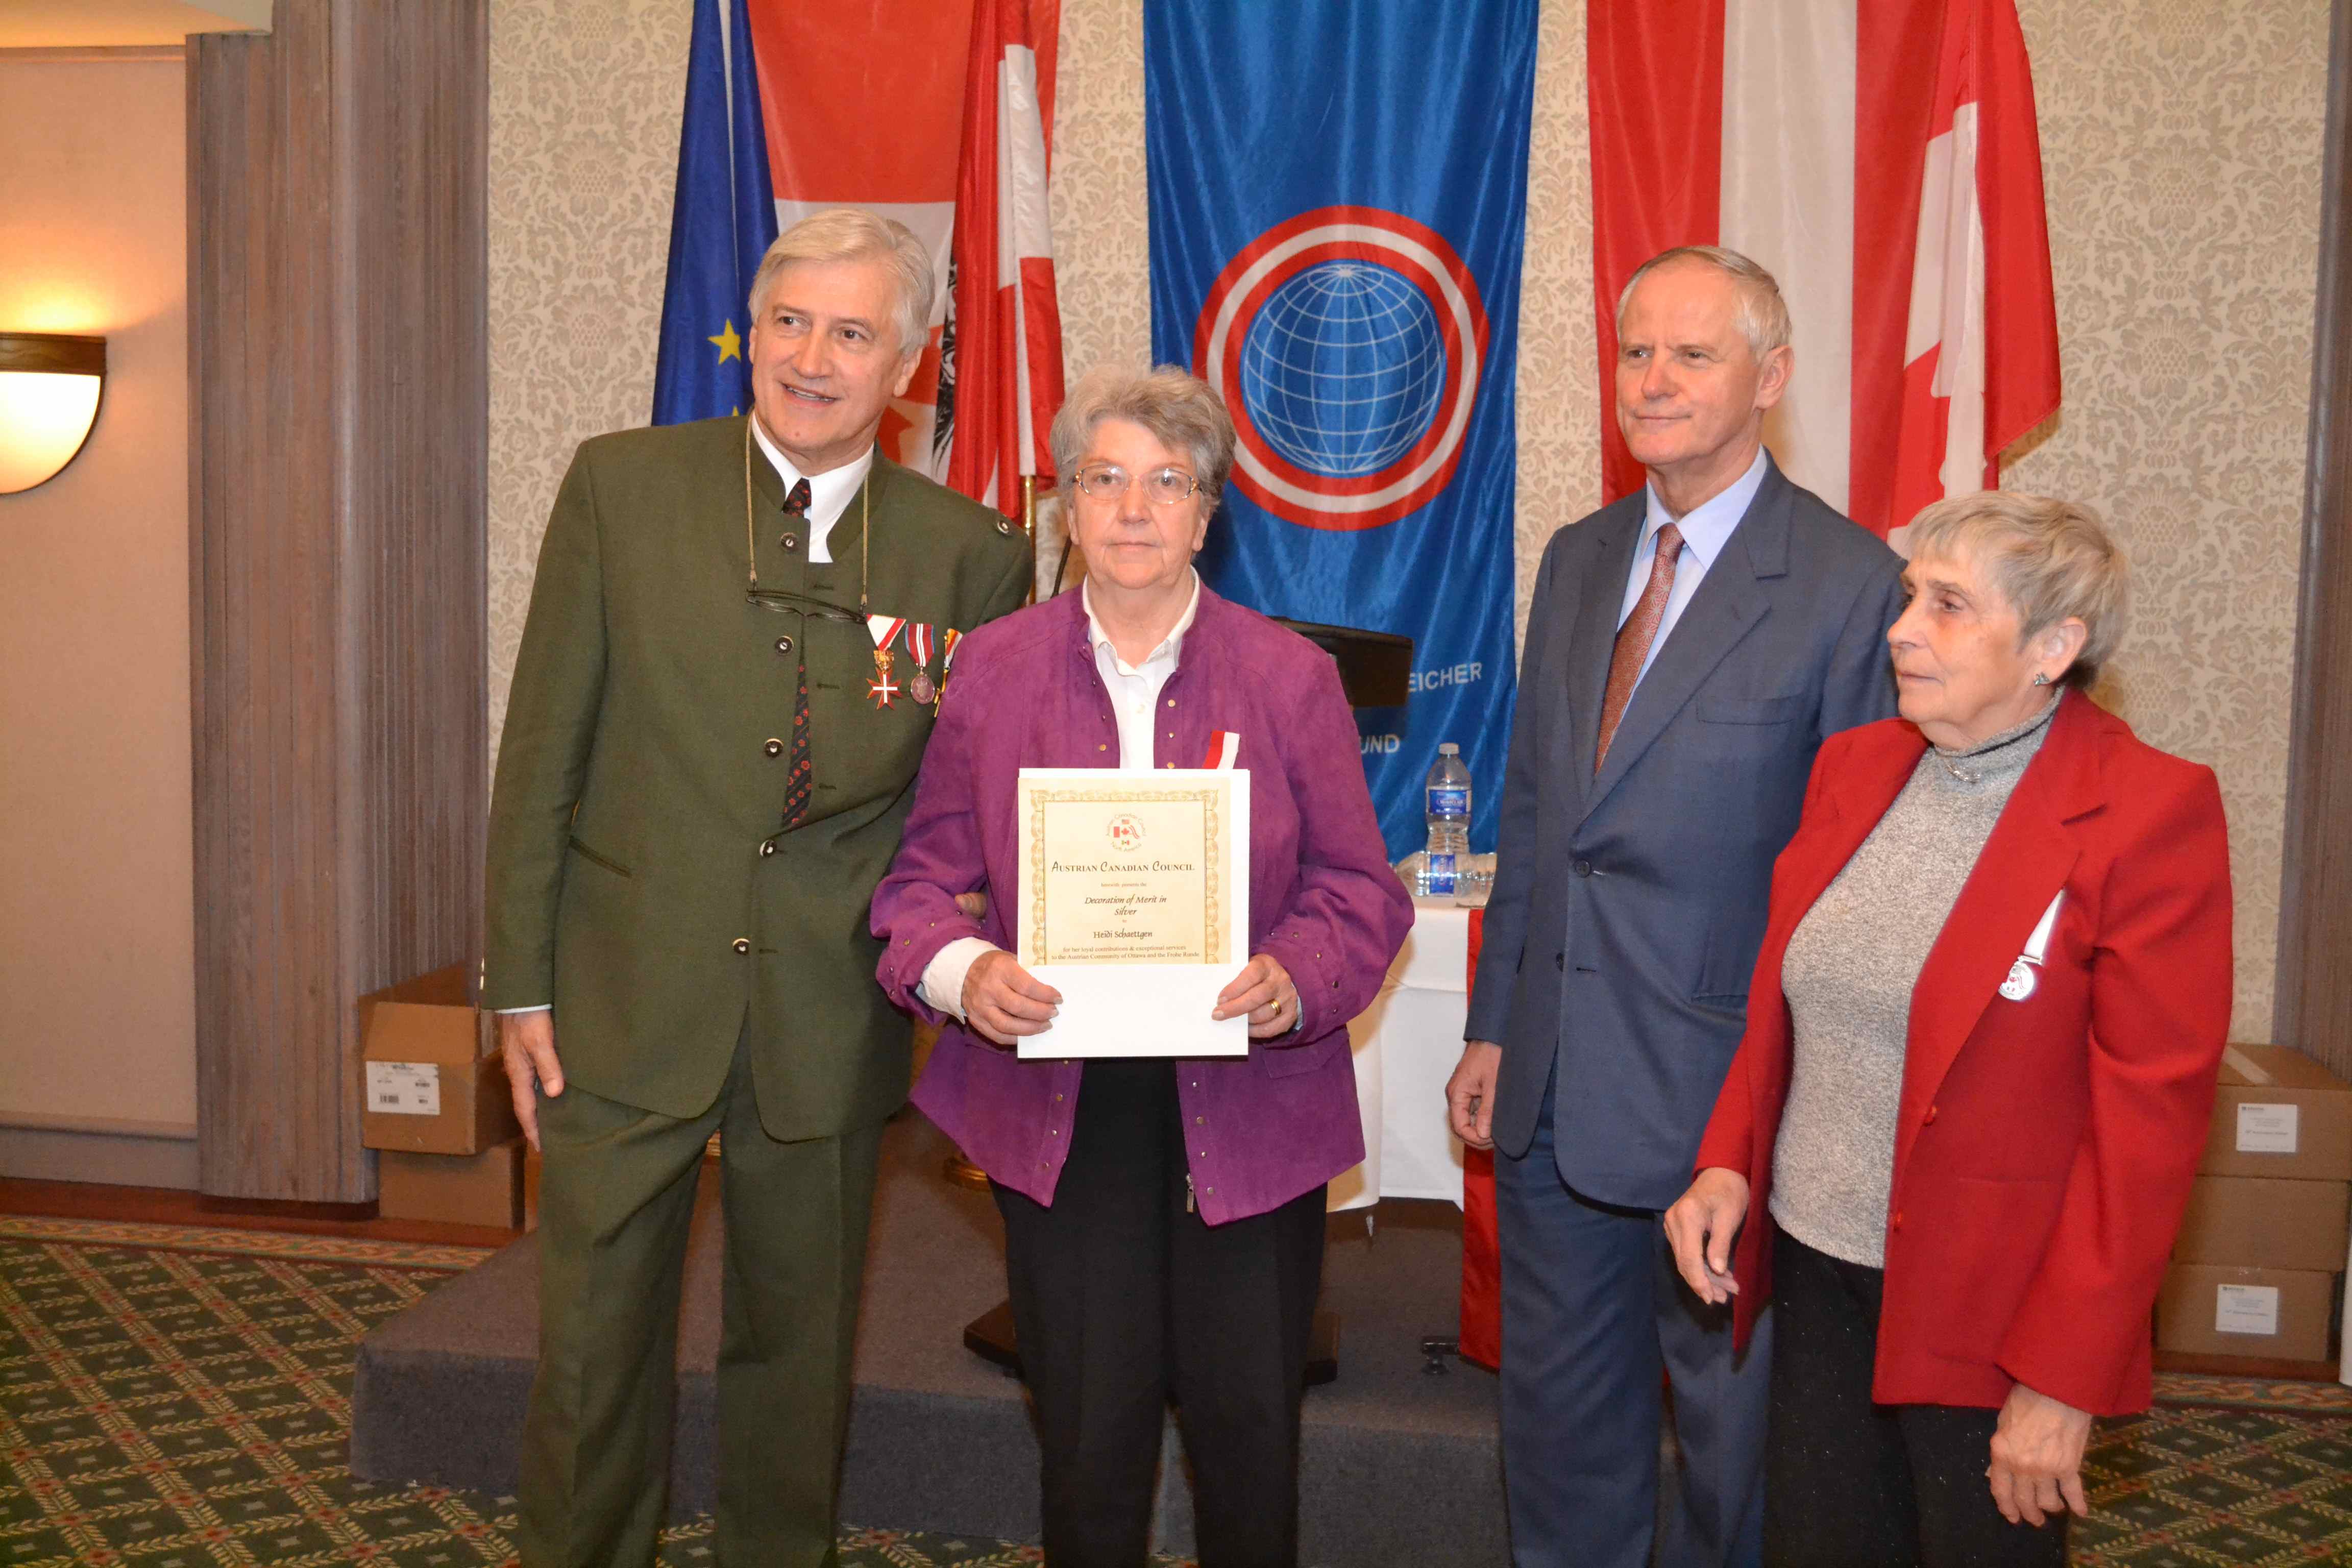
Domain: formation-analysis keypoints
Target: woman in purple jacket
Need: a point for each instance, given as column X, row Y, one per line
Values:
column 1163, row 1220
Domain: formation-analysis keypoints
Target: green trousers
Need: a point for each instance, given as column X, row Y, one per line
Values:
column 616, row 1195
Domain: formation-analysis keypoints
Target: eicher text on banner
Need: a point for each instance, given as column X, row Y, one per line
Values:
column 1339, row 202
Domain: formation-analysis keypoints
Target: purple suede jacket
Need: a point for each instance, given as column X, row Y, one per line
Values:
column 1263, row 1129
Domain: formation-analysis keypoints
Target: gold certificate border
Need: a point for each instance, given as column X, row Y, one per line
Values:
column 1208, row 797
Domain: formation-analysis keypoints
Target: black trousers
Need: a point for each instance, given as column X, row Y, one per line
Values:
column 1121, row 1297
column 1847, row 1481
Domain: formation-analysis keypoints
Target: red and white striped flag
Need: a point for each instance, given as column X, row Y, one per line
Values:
column 1008, row 324
column 1881, row 158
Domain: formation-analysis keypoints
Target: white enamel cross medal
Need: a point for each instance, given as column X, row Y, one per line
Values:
column 884, row 629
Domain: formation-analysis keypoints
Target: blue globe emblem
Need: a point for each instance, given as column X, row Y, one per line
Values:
column 1344, row 368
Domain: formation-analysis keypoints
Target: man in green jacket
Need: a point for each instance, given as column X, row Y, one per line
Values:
column 736, row 636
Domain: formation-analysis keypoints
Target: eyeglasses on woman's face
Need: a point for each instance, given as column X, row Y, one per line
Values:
column 1163, row 486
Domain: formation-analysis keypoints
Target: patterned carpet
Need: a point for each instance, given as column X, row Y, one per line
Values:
column 176, row 1397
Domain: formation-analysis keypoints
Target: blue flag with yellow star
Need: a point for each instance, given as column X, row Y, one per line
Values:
column 723, row 221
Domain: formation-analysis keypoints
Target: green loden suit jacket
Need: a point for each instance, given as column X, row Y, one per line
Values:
column 640, row 876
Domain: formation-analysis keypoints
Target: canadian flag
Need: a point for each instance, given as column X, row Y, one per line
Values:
column 1008, row 324
column 1881, row 158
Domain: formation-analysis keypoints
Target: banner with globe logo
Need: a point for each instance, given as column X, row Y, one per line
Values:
column 1339, row 203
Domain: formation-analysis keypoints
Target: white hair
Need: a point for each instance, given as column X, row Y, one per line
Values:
column 2052, row 559
column 852, row 234
column 1762, row 315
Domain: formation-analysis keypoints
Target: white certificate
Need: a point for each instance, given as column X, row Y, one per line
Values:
column 1134, row 904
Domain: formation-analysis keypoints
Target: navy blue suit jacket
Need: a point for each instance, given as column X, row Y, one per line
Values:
column 1628, row 907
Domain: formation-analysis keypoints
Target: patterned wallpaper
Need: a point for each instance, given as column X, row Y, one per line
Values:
column 586, row 97
column 2180, row 142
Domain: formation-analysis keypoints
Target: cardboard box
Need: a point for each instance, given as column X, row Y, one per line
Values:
column 2272, row 1315
column 2279, row 1113
column 2264, row 1222
column 454, row 1189
column 434, row 1084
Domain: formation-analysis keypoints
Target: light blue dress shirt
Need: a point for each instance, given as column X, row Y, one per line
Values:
column 1707, row 528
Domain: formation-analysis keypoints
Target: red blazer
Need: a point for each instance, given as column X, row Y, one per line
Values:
column 2045, row 1146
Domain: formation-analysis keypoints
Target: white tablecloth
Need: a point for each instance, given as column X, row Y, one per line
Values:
column 1406, row 1046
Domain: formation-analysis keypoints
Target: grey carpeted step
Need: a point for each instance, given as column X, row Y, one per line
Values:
column 1398, row 1466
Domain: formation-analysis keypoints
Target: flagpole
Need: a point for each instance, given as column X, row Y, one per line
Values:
column 1029, row 527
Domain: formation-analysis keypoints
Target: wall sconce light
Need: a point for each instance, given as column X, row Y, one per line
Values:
column 49, row 388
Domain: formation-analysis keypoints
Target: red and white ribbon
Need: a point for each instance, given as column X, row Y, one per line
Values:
column 884, row 629
column 1225, row 745
column 918, row 644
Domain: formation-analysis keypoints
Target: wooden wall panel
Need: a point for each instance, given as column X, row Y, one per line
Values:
column 2315, row 961
column 337, row 290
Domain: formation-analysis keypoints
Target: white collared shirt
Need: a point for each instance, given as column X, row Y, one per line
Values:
column 830, row 492
column 1135, row 688
column 1134, row 692
column 1705, row 529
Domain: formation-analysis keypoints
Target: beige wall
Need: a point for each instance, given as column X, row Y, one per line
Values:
column 2181, row 144
column 97, row 991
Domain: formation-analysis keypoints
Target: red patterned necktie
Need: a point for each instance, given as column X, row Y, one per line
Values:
column 796, row 780
column 1634, row 637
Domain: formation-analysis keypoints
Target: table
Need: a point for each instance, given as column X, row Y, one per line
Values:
column 1406, row 1044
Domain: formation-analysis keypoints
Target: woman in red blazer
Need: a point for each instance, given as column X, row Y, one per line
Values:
column 1982, row 1045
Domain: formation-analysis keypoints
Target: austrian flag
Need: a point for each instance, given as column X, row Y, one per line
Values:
column 1008, row 370
column 1881, row 158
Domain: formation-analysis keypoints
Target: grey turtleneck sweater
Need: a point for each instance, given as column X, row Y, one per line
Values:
column 1848, row 976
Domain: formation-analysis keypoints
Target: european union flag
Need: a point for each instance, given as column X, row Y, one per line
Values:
column 723, row 222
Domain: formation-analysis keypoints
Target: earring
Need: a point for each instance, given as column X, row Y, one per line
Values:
column 2040, row 679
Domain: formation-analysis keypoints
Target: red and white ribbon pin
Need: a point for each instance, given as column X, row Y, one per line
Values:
column 918, row 644
column 1225, row 745
column 884, row 629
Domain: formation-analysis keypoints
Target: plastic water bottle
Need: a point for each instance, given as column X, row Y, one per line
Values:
column 1447, row 809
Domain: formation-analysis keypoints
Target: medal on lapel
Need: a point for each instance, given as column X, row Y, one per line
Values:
column 919, row 648
column 884, row 629
column 947, row 640
column 2020, row 982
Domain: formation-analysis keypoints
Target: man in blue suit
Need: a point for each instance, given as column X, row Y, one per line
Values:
column 1690, row 647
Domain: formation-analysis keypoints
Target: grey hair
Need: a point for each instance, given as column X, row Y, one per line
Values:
column 1763, row 315
column 1180, row 410
column 852, row 234
column 2052, row 559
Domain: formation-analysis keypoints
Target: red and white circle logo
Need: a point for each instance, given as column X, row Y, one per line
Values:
column 1347, row 343
column 1126, row 834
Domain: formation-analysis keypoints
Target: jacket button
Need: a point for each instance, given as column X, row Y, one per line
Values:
column 1584, row 868
column 773, row 747
column 784, row 644
column 1897, row 1222
column 1931, row 1113
column 742, row 944
column 1103, row 748
column 791, row 542
column 767, row 847
column 1559, row 961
